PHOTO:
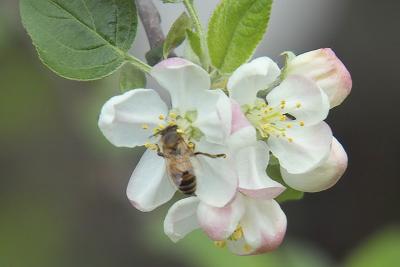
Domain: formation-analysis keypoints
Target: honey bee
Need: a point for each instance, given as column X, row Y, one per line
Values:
column 177, row 155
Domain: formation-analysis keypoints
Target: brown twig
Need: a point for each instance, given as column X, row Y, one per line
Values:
column 151, row 20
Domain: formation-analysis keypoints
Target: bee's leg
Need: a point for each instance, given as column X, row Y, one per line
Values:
column 210, row 155
column 159, row 151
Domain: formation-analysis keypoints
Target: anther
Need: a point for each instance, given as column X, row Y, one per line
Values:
column 220, row 244
column 289, row 126
column 173, row 115
column 237, row 234
column 247, row 248
column 298, row 105
column 302, row 123
column 145, row 126
column 290, row 140
column 161, row 117
column 179, row 131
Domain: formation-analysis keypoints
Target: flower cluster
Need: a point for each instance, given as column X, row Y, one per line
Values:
column 223, row 140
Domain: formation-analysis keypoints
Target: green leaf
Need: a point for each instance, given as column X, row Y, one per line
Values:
column 235, row 30
column 382, row 249
column 81, row 39
column 274, row 172
column 155, row 55
column 194, row 42
column 131, row 78
column 176, row 34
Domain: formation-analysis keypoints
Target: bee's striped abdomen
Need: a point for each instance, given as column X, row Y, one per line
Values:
column 188, row 184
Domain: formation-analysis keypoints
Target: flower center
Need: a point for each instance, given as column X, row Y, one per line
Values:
column 183, row 121
column 271, row 120
column 235, row 236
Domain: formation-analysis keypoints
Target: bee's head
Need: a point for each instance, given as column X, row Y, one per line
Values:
column 170, row 136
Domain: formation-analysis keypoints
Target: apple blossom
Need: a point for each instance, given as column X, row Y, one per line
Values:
column 246, row 225
column 291, row 118
column 320, row 160
column 131, row 119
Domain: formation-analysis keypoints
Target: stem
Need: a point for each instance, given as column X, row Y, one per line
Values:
column 199, row 29
column 192, row 12
column 138, row 63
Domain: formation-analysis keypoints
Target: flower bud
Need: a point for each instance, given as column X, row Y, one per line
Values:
column 323, row 67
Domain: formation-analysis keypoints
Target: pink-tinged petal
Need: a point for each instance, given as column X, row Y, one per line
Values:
column 252, row 77
column 264, row 226
column 181, row 219
column 124, row 117
column 216, row 179
column 303, row 99
column 150, row 186
column 303, row 148
column 251, row 163
column 326, row 69
column 183, row 80
column 324, row 176
column 224, row 110
column 239, row 120
column 219, row 223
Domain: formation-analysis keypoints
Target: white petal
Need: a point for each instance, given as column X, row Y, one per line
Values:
column 183, row 80
column 322, row 177
column 150, row 186
column 213, row 115
column 244, row 137
column 181, row 219
column 251, row 163
column 324, row 67
column 309, row 146
column 122, row 117
column 303, row 99
column 220, row 223
column 252, row 77
column 264, row 226
column 216, row 177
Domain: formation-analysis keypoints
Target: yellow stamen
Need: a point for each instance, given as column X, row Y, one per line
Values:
column 247, row 248
column 160, row 126
column 220, row 244
column 237, row 234
column 191, row 145
column 302, row 123
column 289, row 126
column 150, row 146
column 298, row 105
column 290, row 140
column 282, row 118
column 180, row 131
column 173, row 115
column 145, row 126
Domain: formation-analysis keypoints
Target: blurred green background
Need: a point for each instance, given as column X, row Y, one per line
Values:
column 62, row 185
